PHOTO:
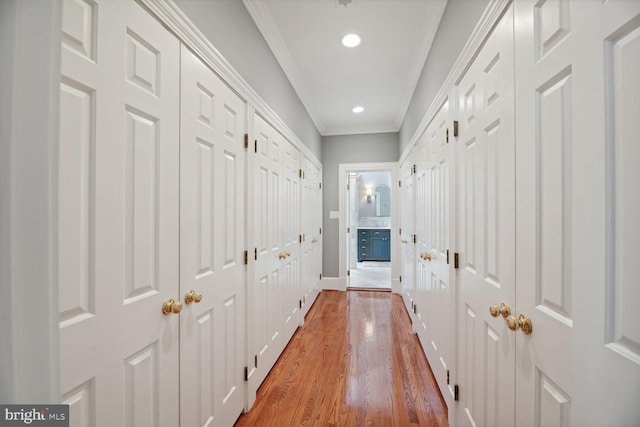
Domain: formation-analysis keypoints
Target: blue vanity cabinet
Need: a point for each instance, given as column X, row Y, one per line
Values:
column 374, row 244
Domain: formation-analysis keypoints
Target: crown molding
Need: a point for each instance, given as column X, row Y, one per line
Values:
column 361, row 130
column 172, row 17
column 482, row 30
column 421, row 53
column 269, row 31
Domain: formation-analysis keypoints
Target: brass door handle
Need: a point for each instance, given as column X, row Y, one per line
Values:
column 426, row 256
column 287, row 254
column 503, row 310
column 192, row 296
column 171, row 306
column 282, row 255
column 314, row 241
column 522, row 322
column 404, row 242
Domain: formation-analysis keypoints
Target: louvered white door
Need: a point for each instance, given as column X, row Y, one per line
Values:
column 212, row 331
column 577, row 87
column 486, row 231
column 118, row 227
column 407, row 230
column 437, row 311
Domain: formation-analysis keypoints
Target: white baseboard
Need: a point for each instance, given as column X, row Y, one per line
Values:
column 333, row 283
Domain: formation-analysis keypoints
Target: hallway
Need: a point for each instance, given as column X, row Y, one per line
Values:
column 354, row 362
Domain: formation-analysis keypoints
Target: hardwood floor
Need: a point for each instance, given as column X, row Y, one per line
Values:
column 354, row 363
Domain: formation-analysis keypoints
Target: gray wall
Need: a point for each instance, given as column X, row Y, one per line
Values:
column 366, row 148
column 459, row 19
column 229, row 27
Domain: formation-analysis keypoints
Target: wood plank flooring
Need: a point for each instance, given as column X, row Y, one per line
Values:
column 355, row 362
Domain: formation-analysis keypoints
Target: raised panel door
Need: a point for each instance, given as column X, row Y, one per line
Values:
column 577, row 178
column 118, row 215
column 486, row 232
column 212, row 331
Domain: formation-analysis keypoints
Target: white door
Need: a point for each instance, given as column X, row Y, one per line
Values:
column 118, row 218
column 577, row 87
column 212, row 331
column 291, row 239
column 407, row 248
column 435, row 251
column 486, row 233
column 311, row 223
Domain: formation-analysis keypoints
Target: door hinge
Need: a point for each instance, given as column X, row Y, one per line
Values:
column 300, row 238
column 447, row 376
column 399, row 183
column 300, row 303
column 400, row 231
column 348, row 187
column 320, row 276
column 415, row 308
column 447, row 135
column 455, row 128
column 415, row 239
column 255, row 146
column 320, row 185
column 246, row 257
column 320, row 230
column 348, row 272
column 348, row 229
column 255, row 254
column 456, row 393
column 447, row 256
column 246, row 373
column 414, row 169
column 455, row 260
column 400, row 279
column 256, row 361
column 300, row 173
column 246, row 141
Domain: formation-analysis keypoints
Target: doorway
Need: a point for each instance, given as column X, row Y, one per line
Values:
column 369, row 216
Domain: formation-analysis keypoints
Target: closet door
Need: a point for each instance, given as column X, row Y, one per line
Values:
column 267, row 220
column 407, row 248
column 486, row 230
column 437, row 256
column 578, row 206
column 118, row 218
column 212, row 227
column 311, row 239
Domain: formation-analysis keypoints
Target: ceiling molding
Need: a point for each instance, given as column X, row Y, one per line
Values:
column 361, row 130
column 169, row 14
column 269, row 31
column 426, row 38
column 482, row 30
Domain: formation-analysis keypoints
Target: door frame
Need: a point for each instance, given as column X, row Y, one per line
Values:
column 343, row 207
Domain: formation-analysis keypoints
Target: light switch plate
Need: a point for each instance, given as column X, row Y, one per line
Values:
column 334, row 214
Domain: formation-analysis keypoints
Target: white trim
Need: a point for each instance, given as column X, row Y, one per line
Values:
column 483, row 28
column 361, row 130
column 421, row 54
column 169, row 14
column 29, row 104
column 269, row 30
column 343, row 169
column 333, row 284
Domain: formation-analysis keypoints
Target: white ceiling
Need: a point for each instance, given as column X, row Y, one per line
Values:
column 330, row 79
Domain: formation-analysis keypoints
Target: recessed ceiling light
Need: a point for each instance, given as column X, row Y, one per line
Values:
column 351, row 40
column 357, row 109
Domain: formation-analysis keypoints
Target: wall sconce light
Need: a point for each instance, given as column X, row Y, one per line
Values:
column 369, row 191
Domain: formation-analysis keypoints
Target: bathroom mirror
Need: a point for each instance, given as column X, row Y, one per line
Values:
column 383, row 201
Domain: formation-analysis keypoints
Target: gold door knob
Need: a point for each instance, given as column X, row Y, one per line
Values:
column 503, row 310
column 427, row 256
column 282, row 255
column 287, row 254
column 521, row 322
column 404, row 242
column 192, row 296
column 171, row 306
column 314, row 241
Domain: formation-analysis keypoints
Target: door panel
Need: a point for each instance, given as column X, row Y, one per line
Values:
column 117, row 221
column 407, row 249
column 311, row 238
column 576, row 118
column 486, row 224
column 212, row 154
